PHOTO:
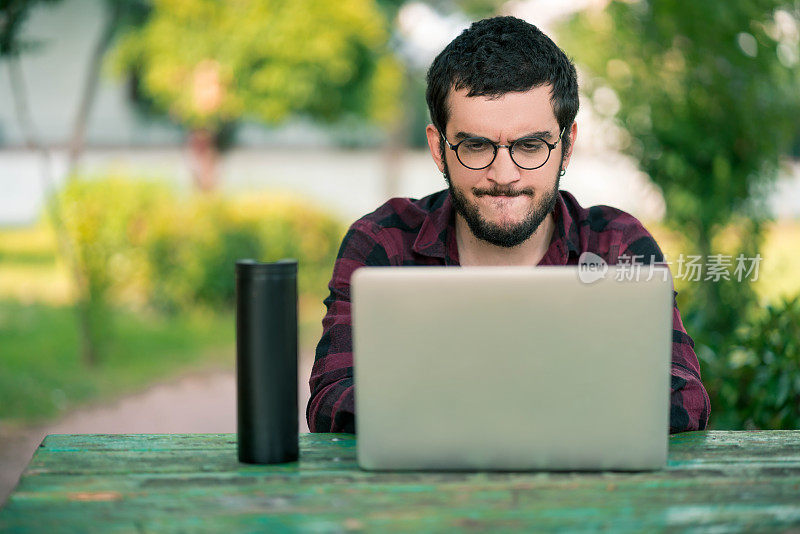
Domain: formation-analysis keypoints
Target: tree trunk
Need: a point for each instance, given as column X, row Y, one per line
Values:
column 33, row 142
column 88, row 331
column 77, row 142
column 204, row 158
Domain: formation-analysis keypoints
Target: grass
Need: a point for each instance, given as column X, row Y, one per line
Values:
column 31, row 243
column 42, row 375
column 29, row 268
column 41, row 372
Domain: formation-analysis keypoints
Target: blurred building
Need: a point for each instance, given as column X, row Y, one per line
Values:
column 349, row 182
column 64, row 34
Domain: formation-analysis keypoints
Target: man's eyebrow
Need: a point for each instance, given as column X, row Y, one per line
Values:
column 544, row 134
column 467, row 135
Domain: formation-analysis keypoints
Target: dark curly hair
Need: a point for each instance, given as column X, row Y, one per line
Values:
column 502, row 55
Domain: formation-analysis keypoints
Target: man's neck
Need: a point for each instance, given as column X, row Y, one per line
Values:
column 474, row 251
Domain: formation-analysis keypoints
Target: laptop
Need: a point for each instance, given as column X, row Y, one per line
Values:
column 511, row 368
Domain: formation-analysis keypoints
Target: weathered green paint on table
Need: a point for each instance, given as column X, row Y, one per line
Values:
column 733, row 481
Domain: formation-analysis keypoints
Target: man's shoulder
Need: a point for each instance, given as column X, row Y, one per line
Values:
column 600, row 218
column 402, row 213
column 609, row 229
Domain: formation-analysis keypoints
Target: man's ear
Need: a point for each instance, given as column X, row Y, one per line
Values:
column 434, row 144
column 573, row 136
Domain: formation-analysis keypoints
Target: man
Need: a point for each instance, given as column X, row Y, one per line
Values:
column 503, row 100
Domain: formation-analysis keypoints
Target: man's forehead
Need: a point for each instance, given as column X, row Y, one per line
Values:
column 518, row 110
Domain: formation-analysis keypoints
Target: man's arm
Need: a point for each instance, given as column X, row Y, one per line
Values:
column 690, row 406
column 689, row 403
column 331, row 407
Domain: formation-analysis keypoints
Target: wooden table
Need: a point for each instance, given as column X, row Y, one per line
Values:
column 734, row 481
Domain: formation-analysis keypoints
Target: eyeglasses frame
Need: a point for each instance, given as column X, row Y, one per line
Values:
column 497, row 146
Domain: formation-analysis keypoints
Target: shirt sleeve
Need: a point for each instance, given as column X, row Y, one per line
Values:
column 331, row 407
column 690, row 406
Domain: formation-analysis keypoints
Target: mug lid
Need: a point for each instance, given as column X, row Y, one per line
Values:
column 286, row 266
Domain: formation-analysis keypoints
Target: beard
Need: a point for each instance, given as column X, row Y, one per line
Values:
column 505, row 235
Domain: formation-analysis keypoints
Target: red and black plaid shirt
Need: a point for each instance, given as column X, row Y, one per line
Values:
column 422, row 232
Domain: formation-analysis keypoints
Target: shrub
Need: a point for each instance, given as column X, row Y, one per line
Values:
column 107, row 221
column 755, row 381
column 192, row 250
column 136, row 242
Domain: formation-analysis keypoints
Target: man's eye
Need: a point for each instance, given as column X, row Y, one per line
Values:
column 476, row 145
column 529, row 145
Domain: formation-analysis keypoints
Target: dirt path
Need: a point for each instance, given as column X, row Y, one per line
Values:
column 204, row 403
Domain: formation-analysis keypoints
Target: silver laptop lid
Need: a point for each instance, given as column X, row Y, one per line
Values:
column 511, row 368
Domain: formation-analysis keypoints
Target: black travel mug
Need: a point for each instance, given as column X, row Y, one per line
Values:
column 266, row 361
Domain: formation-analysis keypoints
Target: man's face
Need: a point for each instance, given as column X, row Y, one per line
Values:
column 502, row 204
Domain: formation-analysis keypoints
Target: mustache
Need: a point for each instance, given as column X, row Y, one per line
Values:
column 506, row 191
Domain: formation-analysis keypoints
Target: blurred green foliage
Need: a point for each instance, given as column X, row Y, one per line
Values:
column 208, row 63
column 758, row 380
column 192, row 249
column 706, row 96
column 107, row 219
column 13, row 15
column 158, row 268
column 141, row 245
column 709, row 95
column 105, row 222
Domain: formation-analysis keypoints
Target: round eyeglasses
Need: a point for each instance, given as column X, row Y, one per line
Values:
column 527, row 153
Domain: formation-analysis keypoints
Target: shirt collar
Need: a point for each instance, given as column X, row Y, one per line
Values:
column 437, row 232
column 565, row 240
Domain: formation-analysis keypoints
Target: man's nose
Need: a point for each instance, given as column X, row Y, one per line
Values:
column 503, row 170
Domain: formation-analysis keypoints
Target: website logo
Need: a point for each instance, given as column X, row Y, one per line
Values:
column 591, row 267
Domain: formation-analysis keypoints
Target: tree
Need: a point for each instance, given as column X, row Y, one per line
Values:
column 708, row 99
column 209, row 63
column 119, row 14
column 707, row 95
column 13, row 14
column 12, row 45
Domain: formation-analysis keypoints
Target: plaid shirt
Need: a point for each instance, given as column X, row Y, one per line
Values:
column 422, row 232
